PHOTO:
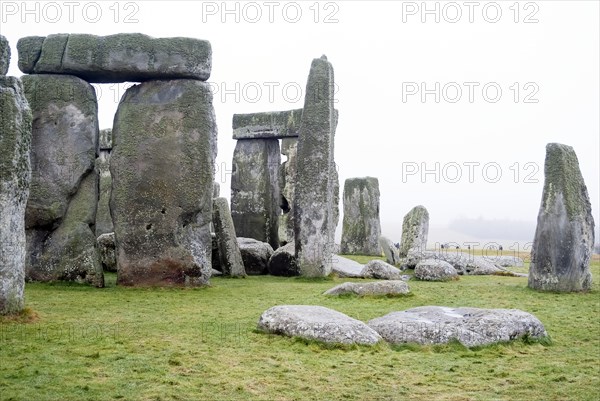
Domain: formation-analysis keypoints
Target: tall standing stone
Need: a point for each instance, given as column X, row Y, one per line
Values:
column 61, row 210
column 361, row 226
column 4, row 55
column 103, row 219
column 162, row 166
column 255, row 190
column 314, row 225
column 564, row 237
column 415, row 228
column 287, row 183
column 230, row 256
column 15, row 175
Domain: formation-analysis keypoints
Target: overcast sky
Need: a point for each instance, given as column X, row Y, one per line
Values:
column 471, row 99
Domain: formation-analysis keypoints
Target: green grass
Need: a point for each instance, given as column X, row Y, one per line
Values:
column 80, row 343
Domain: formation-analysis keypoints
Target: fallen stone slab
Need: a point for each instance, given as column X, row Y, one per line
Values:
column 132, row 57
column 345, row 267
column 472, row 327
column 464, row 263
column 316, row 323
column 255, row 255
column 435, row 270
column 381, row 270
column 505, row 261
column 378, row 288
column 270, row 125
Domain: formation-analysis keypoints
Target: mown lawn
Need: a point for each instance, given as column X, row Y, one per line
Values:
column 82, row 343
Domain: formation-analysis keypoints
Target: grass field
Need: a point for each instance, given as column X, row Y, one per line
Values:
column 80, row 343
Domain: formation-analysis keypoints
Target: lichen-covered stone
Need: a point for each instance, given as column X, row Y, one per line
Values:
column 283, row 262
column 270, row 125
column 377, row 288
column 162, row 166
column 463, row 263
column 287, row 184
column 61, row 210
column 379, row 269
column 564, row 237
column 415, row 228
column 103, row 218
column 345, row 267
column 472, row 327
column 15, row 176
column 361, row 227
column 229, row 251
column 106, row 249
column 316, row 323
column 116, row 58
column 314, row 214
column 435, row 270
column 255, row 190
column 216, row 190
column 4, row 55
column 256, row 255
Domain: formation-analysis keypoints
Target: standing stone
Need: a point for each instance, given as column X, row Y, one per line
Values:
column 116, row 58
column 61, row 210
column 564, row 237
column 229, row 250
column 390, row 251
column 162, row 165
column 4, row 55
column 414, row 231
column 361, row 227
column 314, row 225
column 287, row 184
column 104, row 223
column 15, row 176
column 106, row 248
column 255, row 190
column 216, row 190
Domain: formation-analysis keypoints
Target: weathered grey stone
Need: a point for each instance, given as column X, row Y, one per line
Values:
column 415, row 228
column 381, row 270
column 105, row 139
column 229, row 250
column 345, row 267
column 377, row 288
column 15, row 176
column 361, row 227
column 564, row 237
column 314, row 214
column 472, row 327
column 283, row 262
column 164, row 147
column 463, row 263
column 390, row 251
column 316, row 323
column 287, row 185
column 255, row 190
column 61, row 210
column 505, row 260
column 215, row 257
column 116, row 58
column 216, row 190
column 256, row 255
column 216, row 273
column 270, row 125
column 104, row 222
column 106, row 249
column 4, row 55
column 435, row 270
